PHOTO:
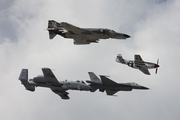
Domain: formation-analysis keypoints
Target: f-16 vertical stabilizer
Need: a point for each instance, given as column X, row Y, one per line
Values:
column 24, row 80
column 94, row 78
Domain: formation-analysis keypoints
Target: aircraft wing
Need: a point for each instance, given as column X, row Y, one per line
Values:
column 53, row 83
column 138, row 60
column 140, row 63
column 107, row 81
column 144, row 70
column 62, row 94
column 50, row 77
column 73, row 29
column 111, row 92
column 85, row 41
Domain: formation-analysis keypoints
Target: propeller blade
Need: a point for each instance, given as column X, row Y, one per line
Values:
column 156, row 70
column 157, row 67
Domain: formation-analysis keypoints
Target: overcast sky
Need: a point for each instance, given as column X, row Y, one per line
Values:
column 24, row 43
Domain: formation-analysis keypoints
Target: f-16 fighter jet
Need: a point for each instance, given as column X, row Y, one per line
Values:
column 111, row 87
column 138, row 63
column 50, row 81
column 82, row 35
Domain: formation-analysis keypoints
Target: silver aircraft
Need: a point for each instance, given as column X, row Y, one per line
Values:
column 82, row 35
column 138, row 63
column 50, row 81
column 111, row 87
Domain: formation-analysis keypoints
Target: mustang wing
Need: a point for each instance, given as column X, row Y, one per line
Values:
column 53, row 83
column 138, row 60
column 73, row 29
column 144, row 70
column 140, row 63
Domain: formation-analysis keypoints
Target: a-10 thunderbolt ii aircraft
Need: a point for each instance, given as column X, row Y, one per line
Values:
column 111, row 87
column 50, row 81
column 82, row 35
column 138, row 63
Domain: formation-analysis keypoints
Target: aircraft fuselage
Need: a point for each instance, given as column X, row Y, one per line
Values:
column 64, row 85
column 148, row 65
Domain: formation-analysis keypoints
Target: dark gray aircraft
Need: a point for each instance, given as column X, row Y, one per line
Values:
column 82, row 35
column 111, row 87
column 50, row 81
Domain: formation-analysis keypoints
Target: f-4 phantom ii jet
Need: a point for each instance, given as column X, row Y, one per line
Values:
column 138, row 63
column 81, row 35
column 50, row 81
column 111, row 87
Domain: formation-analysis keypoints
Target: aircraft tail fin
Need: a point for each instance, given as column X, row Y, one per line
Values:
column 52, row 26
column 94, row 78
column 120, row 59
column 24, row 80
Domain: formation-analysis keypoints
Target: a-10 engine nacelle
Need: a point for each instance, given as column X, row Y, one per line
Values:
column 39, row 79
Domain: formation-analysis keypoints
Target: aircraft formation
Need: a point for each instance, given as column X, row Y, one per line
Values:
column 83, row 36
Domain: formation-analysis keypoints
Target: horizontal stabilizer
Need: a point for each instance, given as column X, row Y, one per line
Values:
column 52, row 34
column 24, row 80
column 29, row 86
column 120, row 59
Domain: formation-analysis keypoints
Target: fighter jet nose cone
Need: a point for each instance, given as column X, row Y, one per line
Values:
column 145, row 88
column 126, row 36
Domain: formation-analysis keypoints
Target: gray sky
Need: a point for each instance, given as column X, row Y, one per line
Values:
column 24, row 43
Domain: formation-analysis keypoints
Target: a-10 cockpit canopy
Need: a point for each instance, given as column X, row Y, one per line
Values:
column 81, row 81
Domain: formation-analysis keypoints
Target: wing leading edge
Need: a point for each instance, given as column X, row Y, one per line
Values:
column 53, row 83
column 144, row 70
column 107, row 81
column 74, row 29
column 140, row 63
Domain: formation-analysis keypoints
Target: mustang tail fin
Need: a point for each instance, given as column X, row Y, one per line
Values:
column 24, row 80
column 120, row 59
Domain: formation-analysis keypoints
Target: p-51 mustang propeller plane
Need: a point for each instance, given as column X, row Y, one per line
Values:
column 111, row 87
column 82, row 35
column 138, row 63
column 50, row 81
